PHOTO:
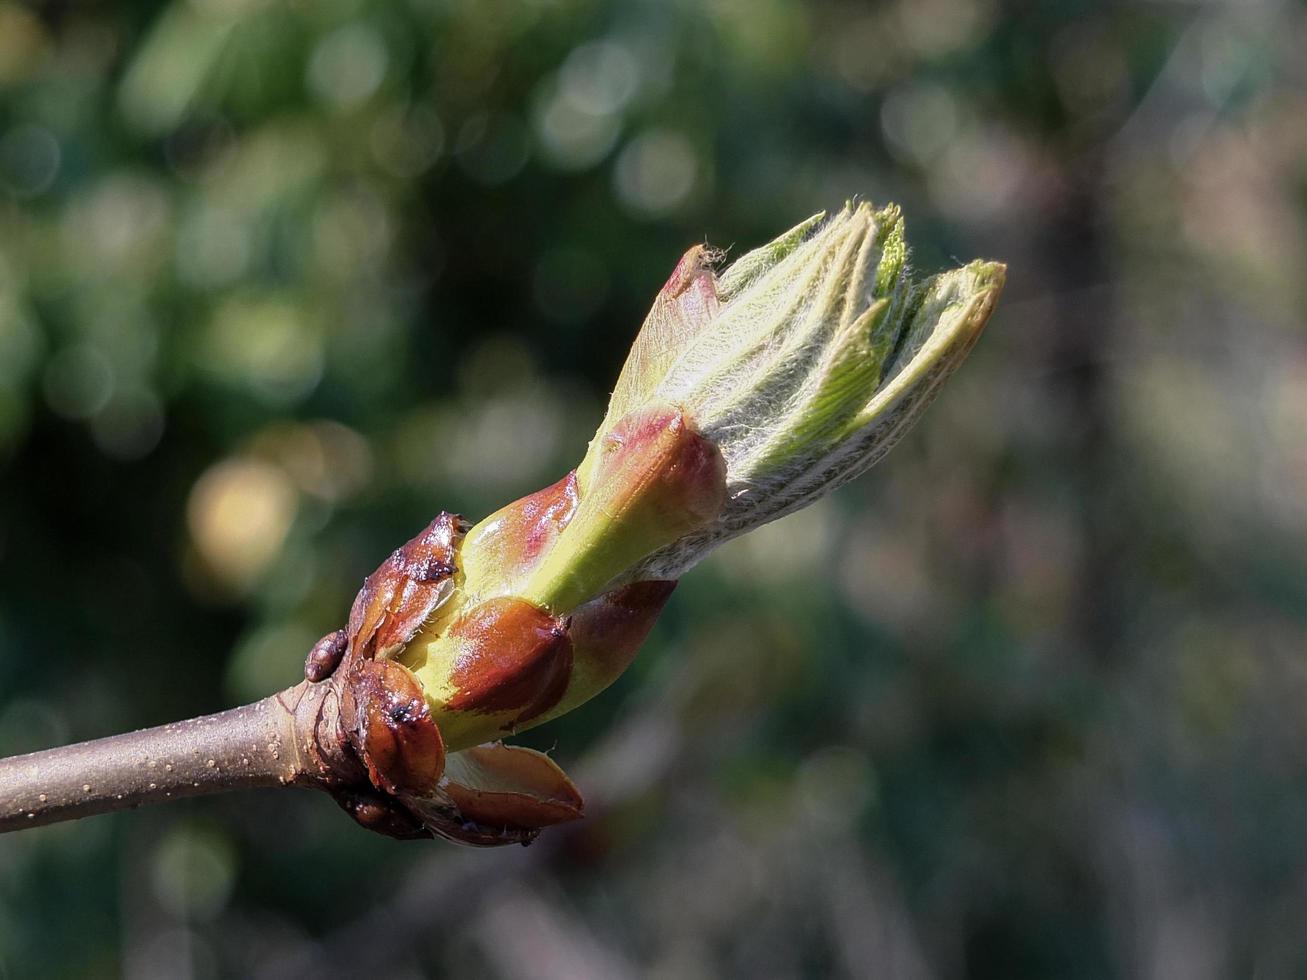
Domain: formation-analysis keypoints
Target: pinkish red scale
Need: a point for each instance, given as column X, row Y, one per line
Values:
column 608, row 632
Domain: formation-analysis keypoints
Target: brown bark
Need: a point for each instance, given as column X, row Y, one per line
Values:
column 289, row 739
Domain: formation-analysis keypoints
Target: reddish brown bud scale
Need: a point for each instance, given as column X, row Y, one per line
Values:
column 496, row 794
column 384, row 710
column 513, row 657
column 392, row 728
column 504, row 786
column 381, row 814
column 326, row 656
column 398, row 597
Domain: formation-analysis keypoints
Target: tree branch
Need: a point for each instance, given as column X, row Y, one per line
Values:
column 274, row 742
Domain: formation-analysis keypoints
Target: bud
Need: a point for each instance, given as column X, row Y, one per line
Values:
column 746, row 395
column 803, row 363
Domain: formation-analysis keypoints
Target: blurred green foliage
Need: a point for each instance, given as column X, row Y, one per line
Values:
column 279, row 281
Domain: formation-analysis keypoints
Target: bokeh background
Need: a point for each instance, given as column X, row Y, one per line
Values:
column 278, row 281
